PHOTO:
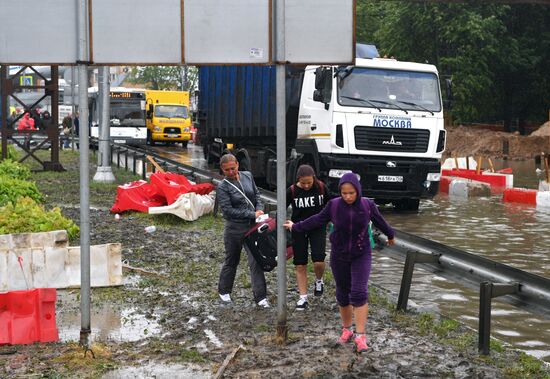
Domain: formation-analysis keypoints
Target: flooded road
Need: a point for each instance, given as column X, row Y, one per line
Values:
column 513, row 234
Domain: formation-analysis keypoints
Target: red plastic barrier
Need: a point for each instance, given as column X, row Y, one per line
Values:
column 137, row 196
column 520, row 195
column 172, row 185
column 28, row 316
column 494, row 180
column 444, row 184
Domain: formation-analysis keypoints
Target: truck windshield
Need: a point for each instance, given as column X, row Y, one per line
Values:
column 127, row 114
column 171, row 111
column 390, row 89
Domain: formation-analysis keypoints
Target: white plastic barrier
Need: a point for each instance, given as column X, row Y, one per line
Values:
column 543, row 199
column 450, row 163
column 189, row 206
column 48, row 262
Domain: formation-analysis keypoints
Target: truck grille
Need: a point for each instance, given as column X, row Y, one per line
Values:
column 172, row 130
column 391, row 139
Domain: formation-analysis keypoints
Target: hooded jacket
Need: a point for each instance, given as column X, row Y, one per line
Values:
column 350, row 235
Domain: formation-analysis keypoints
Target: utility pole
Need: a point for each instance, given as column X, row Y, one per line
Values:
column 279, row 55
column 85, row 324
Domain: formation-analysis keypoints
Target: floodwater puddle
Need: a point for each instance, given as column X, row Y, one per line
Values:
column 108, row 321
column 158, row 370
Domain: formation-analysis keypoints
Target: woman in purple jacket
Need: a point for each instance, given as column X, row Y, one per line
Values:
column 351, row 255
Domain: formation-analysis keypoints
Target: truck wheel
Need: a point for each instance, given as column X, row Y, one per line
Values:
column 150, row 138
column 407, row 205
column 184, row 144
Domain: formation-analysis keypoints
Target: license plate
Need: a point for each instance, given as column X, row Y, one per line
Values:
column 120, row 141
column 390, row 178
column 172, row 135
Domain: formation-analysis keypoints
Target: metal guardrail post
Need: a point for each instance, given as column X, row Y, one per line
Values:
column 118, row 157
column 144, row 168
column 487, row 291
column 412, row 258
column 134, row 163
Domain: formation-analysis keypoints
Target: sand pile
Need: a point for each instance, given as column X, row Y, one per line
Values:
column 464, row 140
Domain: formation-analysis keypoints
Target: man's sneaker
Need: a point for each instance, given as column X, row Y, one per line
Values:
column 361, row 343
column 226, row 298
column 263, row 303
column 319, row 288
column 346, row 336
column 301, row 304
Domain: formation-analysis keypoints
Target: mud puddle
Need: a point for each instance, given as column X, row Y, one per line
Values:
column 159, row 371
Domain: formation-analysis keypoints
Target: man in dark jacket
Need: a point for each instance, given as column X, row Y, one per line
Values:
column 240, row 203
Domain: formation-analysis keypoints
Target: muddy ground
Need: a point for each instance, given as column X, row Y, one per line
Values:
column 188, row 333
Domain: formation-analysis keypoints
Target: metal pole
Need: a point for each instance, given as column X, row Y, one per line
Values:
column 101, row 121
column 279, row 26
column 4, row 110
column 85, row 326
column 104, row 172
column 484, row 337
column 73, row 108
column 406, row 281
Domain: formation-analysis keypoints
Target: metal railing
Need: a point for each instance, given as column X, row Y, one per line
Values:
column 493, row 279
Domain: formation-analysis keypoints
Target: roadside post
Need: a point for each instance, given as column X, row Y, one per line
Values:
column 280, row 88
column 104, row 172
column 85, row 322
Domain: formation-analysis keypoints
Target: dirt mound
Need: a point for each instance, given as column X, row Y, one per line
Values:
column 469, row 141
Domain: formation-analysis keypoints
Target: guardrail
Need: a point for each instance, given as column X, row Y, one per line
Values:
column 494, row 279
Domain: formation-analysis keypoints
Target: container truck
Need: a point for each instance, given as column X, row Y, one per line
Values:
column 167, row 117
column 380, row 118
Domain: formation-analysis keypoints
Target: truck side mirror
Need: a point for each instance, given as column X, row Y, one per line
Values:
column 323, row 85
column 318, row 95
column 319, row 78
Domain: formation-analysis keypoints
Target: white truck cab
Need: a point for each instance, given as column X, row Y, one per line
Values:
column 382, row 119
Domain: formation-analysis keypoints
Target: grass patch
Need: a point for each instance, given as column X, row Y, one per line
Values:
column 193, row 356
column 527, row 367
column 263, row 328
column 206, row 222
column 74, row 360
column 380, row 299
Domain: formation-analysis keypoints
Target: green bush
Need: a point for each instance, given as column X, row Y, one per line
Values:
column 26, row 216
column 12, row 153
column 14, row 170
column 11, row 189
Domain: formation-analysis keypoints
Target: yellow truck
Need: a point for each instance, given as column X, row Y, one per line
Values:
column 167, row 117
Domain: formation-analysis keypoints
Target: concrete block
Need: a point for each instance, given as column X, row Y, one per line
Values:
column 54, row 264
column 468, row 188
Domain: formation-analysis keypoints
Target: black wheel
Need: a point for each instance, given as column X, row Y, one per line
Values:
column 410, row 205
column 184, row 144
column 150, row 138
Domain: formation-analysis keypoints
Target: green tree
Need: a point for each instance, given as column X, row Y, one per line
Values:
column 495, row 54
column 165, row 77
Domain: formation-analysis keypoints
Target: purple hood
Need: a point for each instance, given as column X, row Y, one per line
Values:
column 352, row 179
